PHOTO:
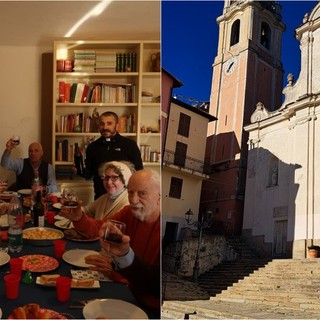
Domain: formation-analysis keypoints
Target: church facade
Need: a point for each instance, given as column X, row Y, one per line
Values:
column 282, row 199
column 247, row 69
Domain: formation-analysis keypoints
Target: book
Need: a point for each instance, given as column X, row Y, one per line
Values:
column 73, row 90
column 67, row 88
column 61, row 91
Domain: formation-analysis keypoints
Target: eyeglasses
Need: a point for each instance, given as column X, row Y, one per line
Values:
column 112, row 178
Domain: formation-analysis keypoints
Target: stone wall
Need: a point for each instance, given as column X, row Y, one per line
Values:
column 179, row 257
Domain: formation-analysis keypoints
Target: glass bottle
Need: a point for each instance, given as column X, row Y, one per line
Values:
column 78, row 160
column 38, row 211
column 36, row 185
column 16, row 222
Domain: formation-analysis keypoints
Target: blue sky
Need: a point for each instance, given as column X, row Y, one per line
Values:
column 190, row 37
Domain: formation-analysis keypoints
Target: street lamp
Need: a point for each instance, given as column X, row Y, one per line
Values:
column 205, row 222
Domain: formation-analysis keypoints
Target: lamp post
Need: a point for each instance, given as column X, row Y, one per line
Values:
column 205, row 222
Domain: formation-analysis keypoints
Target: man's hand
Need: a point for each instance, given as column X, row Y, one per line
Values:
column 73, row 214
column 114, row 248
column 10, row 145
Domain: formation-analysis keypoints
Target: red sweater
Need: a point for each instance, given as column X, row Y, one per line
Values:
column 145, row 242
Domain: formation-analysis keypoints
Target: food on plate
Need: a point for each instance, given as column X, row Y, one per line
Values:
column 30, row 311
column 41, row 234
column 27, row 201
column 49, row 279
column 75, row 235
column 39, row 263
column 83, row 282
column 18, row 313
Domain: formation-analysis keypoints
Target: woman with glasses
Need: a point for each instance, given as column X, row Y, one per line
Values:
column 115, row 176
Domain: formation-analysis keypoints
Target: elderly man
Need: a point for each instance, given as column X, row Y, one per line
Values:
column 25, row 168
column 137, row 256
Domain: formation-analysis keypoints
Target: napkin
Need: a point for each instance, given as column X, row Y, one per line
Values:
column 83, row 274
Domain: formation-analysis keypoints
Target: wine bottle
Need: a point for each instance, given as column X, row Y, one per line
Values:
column 78, row 160
column 38, row 211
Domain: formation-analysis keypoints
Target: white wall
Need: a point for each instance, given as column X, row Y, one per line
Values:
column 20, row 90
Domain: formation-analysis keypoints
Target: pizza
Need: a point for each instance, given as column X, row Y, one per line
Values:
column 39, row 263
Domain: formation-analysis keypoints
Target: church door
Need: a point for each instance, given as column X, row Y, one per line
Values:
column 280, row 239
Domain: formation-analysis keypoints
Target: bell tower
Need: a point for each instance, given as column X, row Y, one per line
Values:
column 246, row 70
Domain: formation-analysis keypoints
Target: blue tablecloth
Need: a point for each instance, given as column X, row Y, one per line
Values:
column 46, row 296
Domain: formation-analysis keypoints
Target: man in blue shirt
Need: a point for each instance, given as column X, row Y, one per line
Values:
column 25, row 168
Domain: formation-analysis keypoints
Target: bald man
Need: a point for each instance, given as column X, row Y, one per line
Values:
column 25, row 168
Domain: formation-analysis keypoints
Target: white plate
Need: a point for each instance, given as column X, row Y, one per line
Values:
column 24, row 191
column 4, row 221
column 57, row 205
column 76, row 257
column 112, row 309
column 4, row 258
column 58, row 217
column 63, row 224
column 95, row 285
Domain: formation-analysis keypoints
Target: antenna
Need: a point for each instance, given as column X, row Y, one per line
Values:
column 204, row 105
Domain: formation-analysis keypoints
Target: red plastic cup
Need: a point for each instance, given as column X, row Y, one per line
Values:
column 16, row 266
column 50, row 217
column 4, row 235
column 59, row 248
column 12, row 283
column 63, row 285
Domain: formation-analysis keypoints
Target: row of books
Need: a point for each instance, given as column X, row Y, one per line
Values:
column 147, row 155
column 64, row 151
column 104, row 61
column 78, row 92
column 77, row 122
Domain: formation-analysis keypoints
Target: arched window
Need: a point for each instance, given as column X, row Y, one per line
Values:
column 235, row 32
column 265, row 36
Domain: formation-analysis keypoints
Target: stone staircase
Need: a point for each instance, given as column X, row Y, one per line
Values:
column 283, row 289
column 227, row 273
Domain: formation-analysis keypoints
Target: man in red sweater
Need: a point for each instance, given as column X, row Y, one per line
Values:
column 137, row 257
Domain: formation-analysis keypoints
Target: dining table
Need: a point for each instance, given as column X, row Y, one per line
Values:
column 46, row 296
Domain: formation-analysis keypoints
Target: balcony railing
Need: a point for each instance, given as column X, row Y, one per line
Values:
column 172, row 158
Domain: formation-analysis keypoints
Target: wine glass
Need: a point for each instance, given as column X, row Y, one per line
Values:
column 69, row 198
column 16, row 139
column 114, row 231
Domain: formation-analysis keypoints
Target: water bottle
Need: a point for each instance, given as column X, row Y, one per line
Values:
column 16, row 222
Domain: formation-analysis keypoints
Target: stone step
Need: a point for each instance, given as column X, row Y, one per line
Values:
column 233, row 310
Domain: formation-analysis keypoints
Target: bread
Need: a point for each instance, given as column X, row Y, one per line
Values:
column 85, row 282
column 18, row 313
column 32, row 310
column 49, row 279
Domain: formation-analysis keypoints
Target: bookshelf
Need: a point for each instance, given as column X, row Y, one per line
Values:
column 99, row 76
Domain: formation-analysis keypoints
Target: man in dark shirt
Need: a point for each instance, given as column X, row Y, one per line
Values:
column 111, row 146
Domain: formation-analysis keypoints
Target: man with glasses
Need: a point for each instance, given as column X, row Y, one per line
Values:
column 137, row 256
column 111, row 146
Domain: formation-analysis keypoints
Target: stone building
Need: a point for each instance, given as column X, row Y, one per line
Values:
column 282, row 198
column 247, row 69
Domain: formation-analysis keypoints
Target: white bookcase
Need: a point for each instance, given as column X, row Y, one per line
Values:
column 145, row 106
